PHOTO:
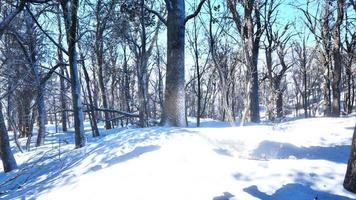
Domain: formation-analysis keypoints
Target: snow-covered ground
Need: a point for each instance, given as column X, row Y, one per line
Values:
column 294, row 160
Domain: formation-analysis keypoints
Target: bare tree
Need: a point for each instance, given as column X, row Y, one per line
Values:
column 174, row 101
column 103, row 11
column 349, row 49
column 276, row 41
column 70, row 9
column 250, row 30
column 336, row 81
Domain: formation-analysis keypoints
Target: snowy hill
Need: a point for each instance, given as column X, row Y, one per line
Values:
column 294, row 160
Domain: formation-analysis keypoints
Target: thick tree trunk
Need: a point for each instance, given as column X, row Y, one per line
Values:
column 142, row 74
column 327, row 59
column 271, row 99
column 41, row 107
column 71, row 19
column 350, row 176
column 279, row 104
column 327, row 94
column 336, row 84
column 255, row 36
column 77, row 102
column 174, row 105
column 254, row 96
column 142, row 93
column 279, row 97
column 8, row 160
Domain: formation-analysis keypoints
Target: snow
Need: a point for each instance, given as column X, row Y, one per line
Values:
column 294, row 160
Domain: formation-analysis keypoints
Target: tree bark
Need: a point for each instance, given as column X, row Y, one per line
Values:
column 99, row 44
column 93, row 118
column 350, row 176
column 255, row 36
column 142, row 74
column 64, row 115
column 250, row 42
column 71, row 22
column 8, row 160
column 336, row 83
column 174, row 105
column 327, row 59
column 41, row 106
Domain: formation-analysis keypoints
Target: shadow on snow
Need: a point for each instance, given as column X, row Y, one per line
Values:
column 294, row 191
column 53, row 167
column 276, row 150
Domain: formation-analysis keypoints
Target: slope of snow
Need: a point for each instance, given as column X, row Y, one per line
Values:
column 294, row 160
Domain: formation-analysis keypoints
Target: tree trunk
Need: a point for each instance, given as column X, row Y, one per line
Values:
column 336, row 84
column 348, row 103
column 327, row 94
column 71, row 19
column 223, row 85
column 174, row 105
column 327, row 63
column 8, row 160
column 305, row 93
column 101, row 82
column 197, row 67
column 160, row 81
column 254, row 96
column 350, row 177
column 279, row 97
column 255, row 37
column 93, row 123
column 41, row 107
column 99, row 52
column 142, row 75
column 10, row 107
column 61, row 78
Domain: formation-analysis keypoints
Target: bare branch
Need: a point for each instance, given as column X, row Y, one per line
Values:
column 5, row 22
column 49, row 37
column 196, row 12
column 51, row 71
column 160, row 17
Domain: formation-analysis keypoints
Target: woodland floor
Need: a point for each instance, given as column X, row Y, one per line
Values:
column 294, row 160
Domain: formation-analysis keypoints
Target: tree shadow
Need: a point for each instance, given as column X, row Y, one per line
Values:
column 225, row 196
column 276, row 150
column 294, row 191
column 107, row 161
column 53, row 168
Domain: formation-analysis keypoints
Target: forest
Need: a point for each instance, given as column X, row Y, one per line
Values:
column 75, row 73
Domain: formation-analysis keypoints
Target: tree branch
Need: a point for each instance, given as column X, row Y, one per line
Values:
column 50, row 72
column 49, row 37
column 160, row 17
column 127, row 114
column 196, row 12
column 5, row 22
